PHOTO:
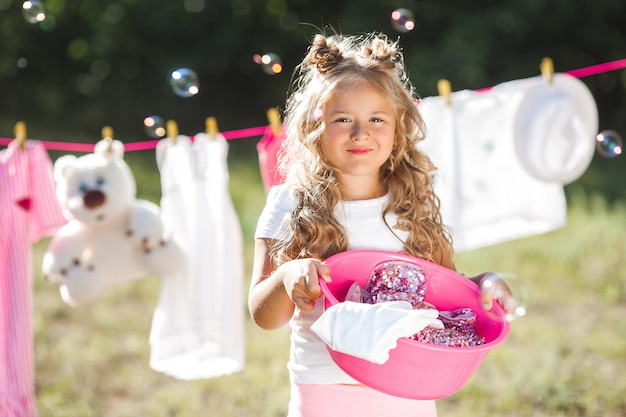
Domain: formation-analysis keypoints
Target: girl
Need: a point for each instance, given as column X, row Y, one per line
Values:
column 354, row 179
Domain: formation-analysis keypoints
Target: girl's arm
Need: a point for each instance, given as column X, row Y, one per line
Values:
column 276, row 291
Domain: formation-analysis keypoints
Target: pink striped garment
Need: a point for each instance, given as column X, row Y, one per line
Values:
column 28, row 211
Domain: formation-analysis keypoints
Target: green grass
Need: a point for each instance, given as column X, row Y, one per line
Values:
column 566, row 357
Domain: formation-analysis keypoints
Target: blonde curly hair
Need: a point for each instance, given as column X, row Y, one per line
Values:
column 339, row 60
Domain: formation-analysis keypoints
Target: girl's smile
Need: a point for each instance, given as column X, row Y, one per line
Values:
column 360, row 151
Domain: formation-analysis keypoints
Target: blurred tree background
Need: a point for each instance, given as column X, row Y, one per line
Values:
column 92, row 63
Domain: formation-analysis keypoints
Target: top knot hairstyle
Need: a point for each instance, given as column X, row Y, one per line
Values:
column 373, row 52
column 328, row 57
column 323, row 56
column 339, row 60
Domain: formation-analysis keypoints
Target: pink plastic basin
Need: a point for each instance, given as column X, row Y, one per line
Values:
column 417, row 370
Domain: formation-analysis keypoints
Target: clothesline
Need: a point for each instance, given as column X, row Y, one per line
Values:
column 138, row 146
column 258, row 131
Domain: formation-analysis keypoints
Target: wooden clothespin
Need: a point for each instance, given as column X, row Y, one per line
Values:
column 172, row 130
column 273, row 117
column 107, row 132
column 107, row 135
column 20, row 134
column 211, row 127
column 547, row 69
column 445, row 90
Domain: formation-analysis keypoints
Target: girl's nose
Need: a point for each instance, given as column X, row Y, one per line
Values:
column 358, row 132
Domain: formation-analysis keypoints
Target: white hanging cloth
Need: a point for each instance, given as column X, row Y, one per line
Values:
column 503, row 156
column 198, row 325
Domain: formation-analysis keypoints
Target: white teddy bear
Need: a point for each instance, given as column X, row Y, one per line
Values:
column 111, row 237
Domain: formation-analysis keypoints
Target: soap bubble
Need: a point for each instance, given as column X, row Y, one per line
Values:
column 184, row 82
column 34, row 11
column 48, row 24
column 609, row 143
column 270, row 62
column 402, row 20
column 154, row 126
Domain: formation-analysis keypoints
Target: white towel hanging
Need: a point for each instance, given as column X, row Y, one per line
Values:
column 198, row 329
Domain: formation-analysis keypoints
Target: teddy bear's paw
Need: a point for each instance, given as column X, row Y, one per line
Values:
column 53, row 277
column 81, row 288
column 75, row 265
column 146, row 242
column 59, row 274
column 149, row 245
column 56, row 276
column 166, row 259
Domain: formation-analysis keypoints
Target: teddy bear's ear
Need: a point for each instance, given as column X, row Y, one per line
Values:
column 63, row 167
column 112, row 149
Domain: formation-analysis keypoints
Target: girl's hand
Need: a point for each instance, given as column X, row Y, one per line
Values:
column 493, row 287
column 302, row 283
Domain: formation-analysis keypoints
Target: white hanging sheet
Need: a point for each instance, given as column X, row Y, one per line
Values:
column 198, row 326
column 503, row 156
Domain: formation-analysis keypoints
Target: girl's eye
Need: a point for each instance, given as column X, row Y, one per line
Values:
column 343, row 120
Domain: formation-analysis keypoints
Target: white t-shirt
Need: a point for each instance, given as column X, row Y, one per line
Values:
column 309, row 361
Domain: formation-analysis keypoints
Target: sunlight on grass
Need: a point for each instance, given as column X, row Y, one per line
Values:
column 566, row 357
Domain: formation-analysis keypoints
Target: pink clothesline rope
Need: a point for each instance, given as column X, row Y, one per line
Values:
column 138, row 146
column 598, row 69
column 258, row 131
column 586, row 71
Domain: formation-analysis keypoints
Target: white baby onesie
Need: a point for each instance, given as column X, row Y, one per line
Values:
column 494, row 179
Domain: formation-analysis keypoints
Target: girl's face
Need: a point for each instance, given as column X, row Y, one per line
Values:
column 359, row 134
